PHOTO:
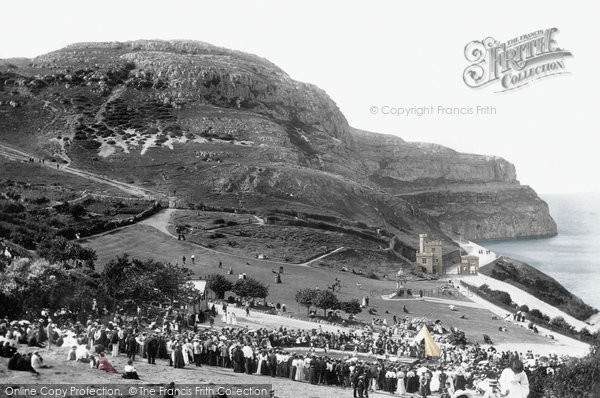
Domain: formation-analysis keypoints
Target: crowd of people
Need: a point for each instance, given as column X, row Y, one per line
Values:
column 362, row 360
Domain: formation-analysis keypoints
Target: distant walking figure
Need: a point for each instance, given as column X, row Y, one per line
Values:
column 220, row 264
column 183, row 260
column 193, row 257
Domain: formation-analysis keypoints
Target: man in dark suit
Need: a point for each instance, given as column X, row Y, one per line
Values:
column 152, row 349
column 131, row 347
column 272, row 360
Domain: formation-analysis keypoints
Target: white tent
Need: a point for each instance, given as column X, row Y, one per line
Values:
column 431, row 348
column 199, row 285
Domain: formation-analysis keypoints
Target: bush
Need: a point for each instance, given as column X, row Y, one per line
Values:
column 351, row 307
column 219, row 285
column 250, row 288
column 13, row 208
column 371, row 275
column 535, row 313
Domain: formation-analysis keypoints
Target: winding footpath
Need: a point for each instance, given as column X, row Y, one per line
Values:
column 130, row 189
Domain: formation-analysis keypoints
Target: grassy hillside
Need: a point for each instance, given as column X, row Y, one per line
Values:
column 538, row 284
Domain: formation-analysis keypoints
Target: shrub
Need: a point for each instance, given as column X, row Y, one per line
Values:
column 371, row 275
column 13, row 208
column 219, row 285
column 250, row 288
column 535, row 313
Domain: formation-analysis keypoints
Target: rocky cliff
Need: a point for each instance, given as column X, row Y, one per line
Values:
column 222, row 127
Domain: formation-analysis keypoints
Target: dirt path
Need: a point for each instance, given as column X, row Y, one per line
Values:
column 260, row 319
column 561, row 344
column 15, row 154
column 521, row 297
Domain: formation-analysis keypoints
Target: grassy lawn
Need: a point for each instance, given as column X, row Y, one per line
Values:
column 143, row 241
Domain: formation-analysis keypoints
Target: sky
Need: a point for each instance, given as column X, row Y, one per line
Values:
column 383, row 54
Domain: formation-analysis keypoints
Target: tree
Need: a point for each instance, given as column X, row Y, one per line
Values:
column 142, row 281
column 250, row 288
column 219, row 285
column 351, row 307
column 28, row 286
column 325, row 299
column 560, row 323
column 524, row 308
column 62, row 251
column 304, row 297
column 577, row 378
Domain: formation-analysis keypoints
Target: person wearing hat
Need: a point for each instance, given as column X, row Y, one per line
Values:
column 493, row 390
column 513, row 381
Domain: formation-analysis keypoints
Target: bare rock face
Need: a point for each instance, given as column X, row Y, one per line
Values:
column 475, row 196
column 228, row 128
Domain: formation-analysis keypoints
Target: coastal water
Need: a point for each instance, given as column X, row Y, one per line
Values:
column 573, row 256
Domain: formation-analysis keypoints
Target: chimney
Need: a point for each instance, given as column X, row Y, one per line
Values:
column 422, row 243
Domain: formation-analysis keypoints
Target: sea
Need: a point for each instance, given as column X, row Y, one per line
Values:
column 573, row 256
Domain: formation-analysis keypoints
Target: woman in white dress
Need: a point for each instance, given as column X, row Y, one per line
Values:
column 295, row 367
column 262, row 358
column 435, row 381
column 300, row 369
column 400, row 387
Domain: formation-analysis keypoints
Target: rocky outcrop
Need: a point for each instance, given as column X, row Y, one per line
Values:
column 487, row 211
column 400, row 166
column 224, row 127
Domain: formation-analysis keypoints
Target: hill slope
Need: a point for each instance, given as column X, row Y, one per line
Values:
column 224, row 128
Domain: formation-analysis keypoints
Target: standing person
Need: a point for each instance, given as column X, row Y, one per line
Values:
column 423, row 385
column 197, row 350
column 248, row 357
column 50, row 334
column 400, row 386
column 193, row 258
column 461, row 379
column 178, row 361
column 131, row 347
column 513, row 381
column 238, row 359
column 152, row 349
column 114, row 341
